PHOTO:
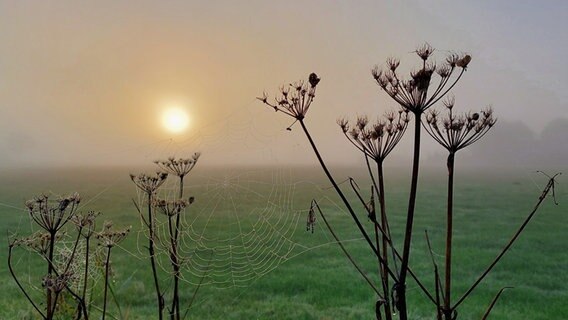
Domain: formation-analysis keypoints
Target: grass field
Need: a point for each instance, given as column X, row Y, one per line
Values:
column 266, row 266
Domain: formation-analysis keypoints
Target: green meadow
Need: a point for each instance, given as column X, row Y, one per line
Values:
column 247, row 238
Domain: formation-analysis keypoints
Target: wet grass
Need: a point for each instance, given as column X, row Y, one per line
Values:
column 319, row 283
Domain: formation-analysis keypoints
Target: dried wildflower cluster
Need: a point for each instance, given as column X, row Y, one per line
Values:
column 56, row 283
column 148, row 183
column 455, row 132
column 172, row 208
column 413, row 94
column 179, row 167
column 52, row 215
column 85, row 223
column 108, row 237
column 376, row 140
column 38, row 242
column 295, row 99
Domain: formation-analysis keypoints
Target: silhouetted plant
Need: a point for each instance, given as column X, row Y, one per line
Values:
column 172, row 211
column 376, row 140
column 64, row 275
column 108, row 238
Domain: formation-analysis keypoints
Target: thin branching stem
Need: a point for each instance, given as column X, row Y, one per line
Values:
column 349, row 257
column 341, row 195
column 13, row 274
column 107, row 266
column 545, row 191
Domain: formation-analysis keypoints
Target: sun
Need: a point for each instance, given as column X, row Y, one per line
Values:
column 175, row 119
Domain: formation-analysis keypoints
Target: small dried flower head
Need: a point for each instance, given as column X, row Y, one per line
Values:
column 52, row 215
column 393, row 63
column 343, row 124
column 295, row 100
column 424, row 51
column 464, row 61
column 413, row 93
column 149, row 183
column 455, row 132
column 171, row 208
column 56, row 283
column 376, row 140
column 108, row 237
column 179, row 167
column 313, row 79
column 85, row 222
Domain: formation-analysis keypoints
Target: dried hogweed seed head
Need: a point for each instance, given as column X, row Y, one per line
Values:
column 149, row 183
column 424, row 51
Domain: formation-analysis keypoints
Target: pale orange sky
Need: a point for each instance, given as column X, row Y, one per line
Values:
column 84, row 83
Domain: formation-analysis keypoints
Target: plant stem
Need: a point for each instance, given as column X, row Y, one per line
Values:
column 401, row 288
column 449, row 230
column 107, row 264
column 342, row 196
column 384, row 223
column 541, row 198
column 50, row 268
column 153, row 258
column 85, row 280
column 10, row 247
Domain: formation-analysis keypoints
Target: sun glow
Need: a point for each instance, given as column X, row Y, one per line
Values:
column 175, row 119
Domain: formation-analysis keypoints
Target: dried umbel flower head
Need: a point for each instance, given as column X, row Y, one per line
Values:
column 414, row 93
column 455, row 132
column 52, row 215
column 376, row 140
column 56, row 283
column 171, row 208
column 108, row 237
column 179, row 167
column 149, row 183
column 295, row 99
column 38, row 242
column 85, row 223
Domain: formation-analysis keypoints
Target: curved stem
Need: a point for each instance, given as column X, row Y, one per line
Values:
column 19, row 284
column 541, row 198
column 342, row 196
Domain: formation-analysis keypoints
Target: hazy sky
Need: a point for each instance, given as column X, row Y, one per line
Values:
column 85, row 83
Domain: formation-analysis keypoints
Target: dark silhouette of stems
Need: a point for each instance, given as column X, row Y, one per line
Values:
column 401, row 286
column 449, row 230
column 384, row 223
column 50, row 269
column 396, row 254
column 153, row 258
column 174, row 312
column 347, row 253
column 198, row 286
column 107, row 265
column 493, row 302
column 545, row 191
column 175, row 258
column 13, row 274
column 86, row 273
column 341, row 195
column 436, row 277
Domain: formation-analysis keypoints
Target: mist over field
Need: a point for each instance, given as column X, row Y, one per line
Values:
column 86, row 84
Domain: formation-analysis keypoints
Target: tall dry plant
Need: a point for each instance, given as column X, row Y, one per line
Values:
column 426, row 85
column 171, row 210
column 67, row 267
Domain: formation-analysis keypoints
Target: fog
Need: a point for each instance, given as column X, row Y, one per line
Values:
column 83, row 84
